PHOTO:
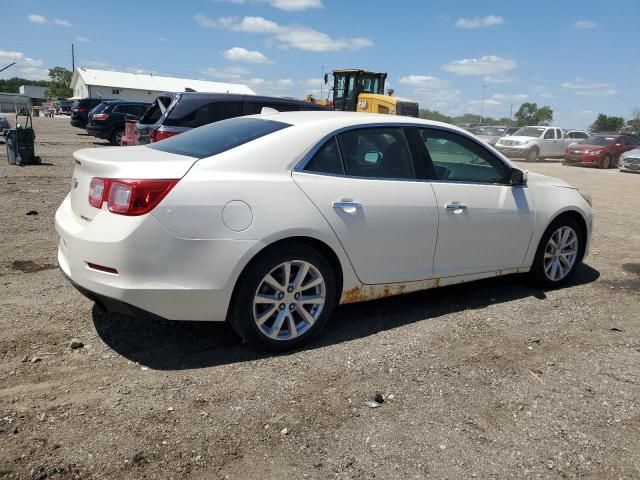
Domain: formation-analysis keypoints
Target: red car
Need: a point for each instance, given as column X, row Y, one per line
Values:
column 601, row 150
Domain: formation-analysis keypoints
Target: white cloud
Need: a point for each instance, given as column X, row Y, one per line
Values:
column 498, row 79
column 485, row 65
column 591, row 89
column 585, row 24
column 286, row 36
column 62, row 22
column 26, row 67
column 424, row 82
column 287, row 5
column 82, row 39
column 431, row 92
column 239, row 54
column 546, row 95
column 479, row 22
column 227, row 74
column 37, row 18
column 501, row 97
column 276, row 88
column 296, row 5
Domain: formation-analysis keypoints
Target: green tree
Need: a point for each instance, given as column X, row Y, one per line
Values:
column 60, row 82
column 12, row 85
column 530, row 114
column 633, row 124
column 605, row 123
column 434, row 115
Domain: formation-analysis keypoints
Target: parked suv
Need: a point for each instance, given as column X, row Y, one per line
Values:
column 174, row 113
column 108, row 121
column 80, row 110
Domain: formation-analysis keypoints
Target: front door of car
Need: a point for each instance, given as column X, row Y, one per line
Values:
column 485, row 223
column 548, row 143
column 364, row 183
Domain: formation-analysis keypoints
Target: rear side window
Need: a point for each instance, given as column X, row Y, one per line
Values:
column 327, row 160
column 192, row 115
column 155, row 111
column 218, row 137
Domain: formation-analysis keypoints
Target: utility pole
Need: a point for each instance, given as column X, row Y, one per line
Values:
column 482, row 104
column 510, row 114
column 73, row 59
column 10, row 65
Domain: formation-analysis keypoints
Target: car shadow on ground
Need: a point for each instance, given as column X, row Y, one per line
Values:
column 172, row 345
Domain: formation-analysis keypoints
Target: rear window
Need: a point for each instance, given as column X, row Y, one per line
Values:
column 190, row 112
column 218, row 137
column 154, row 112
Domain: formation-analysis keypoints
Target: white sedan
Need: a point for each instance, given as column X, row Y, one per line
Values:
column 270, row 221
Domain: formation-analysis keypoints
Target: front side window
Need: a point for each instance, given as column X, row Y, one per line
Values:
column 548, row 135
column 457, row 158
column 380, row 152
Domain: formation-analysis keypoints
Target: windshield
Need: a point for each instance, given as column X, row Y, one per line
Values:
column 600, row 141
column 530, row 132
column 218, row 137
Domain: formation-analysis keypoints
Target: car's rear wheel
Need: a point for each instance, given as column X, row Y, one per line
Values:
column 284, row 298
column 116, row 138
column 606, row 163
column 559, row 251
column 532, row 155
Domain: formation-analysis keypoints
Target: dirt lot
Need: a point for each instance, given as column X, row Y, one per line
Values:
column 492, row 379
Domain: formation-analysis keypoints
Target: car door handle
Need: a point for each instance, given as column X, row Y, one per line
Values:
column 348, row 206
column 453, row 207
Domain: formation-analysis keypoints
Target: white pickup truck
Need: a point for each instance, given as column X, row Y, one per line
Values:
column 535, row 143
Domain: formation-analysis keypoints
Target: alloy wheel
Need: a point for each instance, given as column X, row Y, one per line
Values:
column 560, row 253
column 289, row 300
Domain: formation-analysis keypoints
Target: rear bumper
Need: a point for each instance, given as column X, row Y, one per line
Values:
column 78, row 122
column 158, row 274
column 99, row 131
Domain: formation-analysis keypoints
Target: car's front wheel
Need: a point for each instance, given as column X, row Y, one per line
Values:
column 606, row 163
column 532, row 155
column 284, row 298
column 558, row 254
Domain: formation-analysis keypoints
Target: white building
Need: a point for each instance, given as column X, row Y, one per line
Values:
column 141, row 87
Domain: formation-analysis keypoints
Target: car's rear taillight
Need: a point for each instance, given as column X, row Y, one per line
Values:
column 157, row 135
column 80, row 109
column 129, row 197
column 100, row 116
column 97, row 192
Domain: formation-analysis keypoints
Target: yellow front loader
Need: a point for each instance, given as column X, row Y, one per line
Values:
column 361, row 91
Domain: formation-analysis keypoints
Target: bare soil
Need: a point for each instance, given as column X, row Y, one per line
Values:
column 492, row 379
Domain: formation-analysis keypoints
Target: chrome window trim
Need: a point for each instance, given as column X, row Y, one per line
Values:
column 299, row 168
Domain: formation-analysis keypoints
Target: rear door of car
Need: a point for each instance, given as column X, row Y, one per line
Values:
column 376, row 198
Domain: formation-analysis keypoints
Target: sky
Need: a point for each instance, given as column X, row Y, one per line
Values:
column 580, row 57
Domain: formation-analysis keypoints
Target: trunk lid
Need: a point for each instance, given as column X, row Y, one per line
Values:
column 124, row 163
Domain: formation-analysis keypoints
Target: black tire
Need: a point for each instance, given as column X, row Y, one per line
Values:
column 116, row 137
column 241, row 315
column 19, row 160
column 37, row 160
column 537, row 273
column 532, row 154
column 606, row 163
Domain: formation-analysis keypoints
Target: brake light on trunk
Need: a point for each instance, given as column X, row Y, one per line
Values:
column 80, row 109
column 97, row 192
column 100, row 116
column 129, row 197
column 157, row 135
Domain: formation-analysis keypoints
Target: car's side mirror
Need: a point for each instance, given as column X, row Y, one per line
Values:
column 518, row 177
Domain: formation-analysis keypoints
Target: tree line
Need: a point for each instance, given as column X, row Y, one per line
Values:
column 530, row 114
column 59, row 84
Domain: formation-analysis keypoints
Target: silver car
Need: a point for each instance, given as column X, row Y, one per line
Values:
column 630, row 161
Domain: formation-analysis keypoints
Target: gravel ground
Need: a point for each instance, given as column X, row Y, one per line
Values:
column 492, row 379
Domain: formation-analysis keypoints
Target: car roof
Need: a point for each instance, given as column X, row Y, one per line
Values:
column 346, row 119
column 236, row 96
